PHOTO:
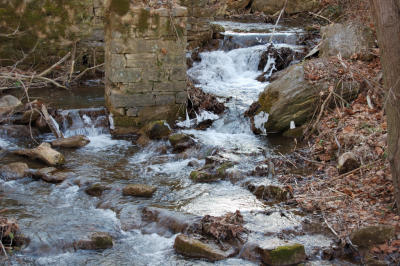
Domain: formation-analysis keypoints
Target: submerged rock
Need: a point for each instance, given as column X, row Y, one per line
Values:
column 96, row 190
column 210, row 173
column 18, row 131
column 8, row 103
column 139, row 190
column 347, row 162
column 372, row 235
column 50, row 175
column 14, row 171
column 71, row 142
column 194, row 248
column 97, row 241
column 165, row 219
column 283, row 255
column 181, row 142
column 44, row 153
column 158, row 130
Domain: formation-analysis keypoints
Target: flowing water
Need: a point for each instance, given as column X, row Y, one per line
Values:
column 54, row 216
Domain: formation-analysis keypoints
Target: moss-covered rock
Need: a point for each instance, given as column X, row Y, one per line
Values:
column 372, row 235
column 194, row 248
column 210, row 173
column 283, row 255
column 180, row 142
column 139, row 190
column 97, row 241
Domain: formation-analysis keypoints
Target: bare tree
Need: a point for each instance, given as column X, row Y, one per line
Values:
column 387, row 19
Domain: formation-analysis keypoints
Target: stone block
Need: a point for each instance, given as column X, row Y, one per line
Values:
column 170, row 86
column 181, row 97
column 137, row 87
column 165, row 98
column 118, row 99
column 125, row 75
column 132, row 112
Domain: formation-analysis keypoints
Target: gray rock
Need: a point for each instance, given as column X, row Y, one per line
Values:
column 181, row 142
column 50, row 175
column 96, row 190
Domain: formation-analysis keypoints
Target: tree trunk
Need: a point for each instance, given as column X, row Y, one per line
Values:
column 387, row 18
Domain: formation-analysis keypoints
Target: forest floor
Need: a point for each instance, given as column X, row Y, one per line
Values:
column 363, row 196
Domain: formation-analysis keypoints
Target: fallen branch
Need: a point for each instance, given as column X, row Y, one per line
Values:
column 86, row 70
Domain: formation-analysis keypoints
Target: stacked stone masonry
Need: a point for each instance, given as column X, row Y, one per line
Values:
column 200, row 14
column 145, row 65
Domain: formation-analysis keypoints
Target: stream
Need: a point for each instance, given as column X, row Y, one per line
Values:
column 55, row 216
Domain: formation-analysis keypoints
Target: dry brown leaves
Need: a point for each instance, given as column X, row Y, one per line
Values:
column 228, row 227
column 365, row 196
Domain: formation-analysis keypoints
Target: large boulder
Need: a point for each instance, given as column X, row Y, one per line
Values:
column 8, row 103
column 347, row 40
column 14, row 171
column 44, row 153
column 294, row 95
column 139, row 190
column 194, row 248
column 71, row 142
column 270, row 7
column 290, row 98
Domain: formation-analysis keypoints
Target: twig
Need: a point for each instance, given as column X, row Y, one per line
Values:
column 86, row 70
column 4, row 250
column 287, row 159
column 277, row 21
column 322, row 110
column 316, row 15
column 330, row 227
column 44, row 73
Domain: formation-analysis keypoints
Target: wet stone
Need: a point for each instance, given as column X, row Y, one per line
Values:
column 158, row 130
column 181, row 142
column 194, row 248
column 97, row 241
column 44, row 153
column 96, row 190
column 14, row 171
column 139, row 190
column 71, row 142
column 283, row 255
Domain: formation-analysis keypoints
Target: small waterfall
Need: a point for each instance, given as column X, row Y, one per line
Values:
column 89, row 122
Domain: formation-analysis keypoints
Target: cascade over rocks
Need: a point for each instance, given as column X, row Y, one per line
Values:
column 44, row 153
column 283, row 57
